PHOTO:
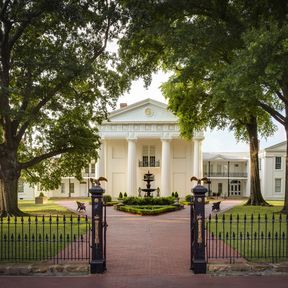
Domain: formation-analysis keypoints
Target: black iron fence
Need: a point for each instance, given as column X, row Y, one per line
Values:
column 254, row 238
column 55, row 239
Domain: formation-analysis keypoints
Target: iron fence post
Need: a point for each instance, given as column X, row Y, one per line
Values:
column 198, row 262
column 97, row 263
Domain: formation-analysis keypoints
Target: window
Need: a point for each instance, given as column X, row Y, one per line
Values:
column 87, row 169
column 93, row 168
column 71, row 187
column 278, row 185
column 220, row 188
column 62, row 188
column 148, row 156
column 20, row 186
column 277, row 162
column 219, row 168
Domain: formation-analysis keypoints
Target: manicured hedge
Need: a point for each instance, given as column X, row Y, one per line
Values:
column 147, row 210
column 149, row 201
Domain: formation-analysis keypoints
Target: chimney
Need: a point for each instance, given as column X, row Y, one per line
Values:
column 123, row 105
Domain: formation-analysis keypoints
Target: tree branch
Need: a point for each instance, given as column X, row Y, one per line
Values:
column 42, row 157
column 274, row 113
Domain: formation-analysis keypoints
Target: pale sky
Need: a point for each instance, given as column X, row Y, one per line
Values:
column 216, row 140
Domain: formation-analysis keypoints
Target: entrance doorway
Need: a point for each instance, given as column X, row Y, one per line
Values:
column 235, row 188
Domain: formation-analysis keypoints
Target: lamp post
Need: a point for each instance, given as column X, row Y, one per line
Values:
column 98, row 263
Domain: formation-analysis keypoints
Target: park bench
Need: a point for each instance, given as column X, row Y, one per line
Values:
column 80, row 206
column 216, row 206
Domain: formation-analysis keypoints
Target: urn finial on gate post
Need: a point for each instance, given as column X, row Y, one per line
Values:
column 198, row 257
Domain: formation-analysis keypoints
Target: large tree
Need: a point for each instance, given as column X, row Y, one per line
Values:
column 193, row 39
column 57, row 80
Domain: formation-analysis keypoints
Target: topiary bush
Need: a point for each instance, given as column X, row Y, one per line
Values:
column 188, row 198
column 173, row 194
column 176, row 195
column 120, row 195
column 107, row 198
column 125, row 195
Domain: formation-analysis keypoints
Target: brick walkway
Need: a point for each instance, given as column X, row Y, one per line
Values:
column 147, row 252
column 149, row 245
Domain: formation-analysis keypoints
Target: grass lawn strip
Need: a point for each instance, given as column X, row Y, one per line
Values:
column 36, row 237
column 258, row 232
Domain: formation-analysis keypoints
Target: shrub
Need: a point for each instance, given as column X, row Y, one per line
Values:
column 173, row 194
column 148, row 210
column 125, row 195
column 41, row 194
column 188, row 198
column 107, row 198
column 120, row 195
column 176, row 195
column 148, row 201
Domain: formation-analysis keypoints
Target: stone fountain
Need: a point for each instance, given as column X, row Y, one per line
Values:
column 148, row 177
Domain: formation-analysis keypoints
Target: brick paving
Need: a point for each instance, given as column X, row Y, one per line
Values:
column 148, row 245
column 147, row 252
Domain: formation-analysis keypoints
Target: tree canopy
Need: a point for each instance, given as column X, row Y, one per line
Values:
column 57, row 82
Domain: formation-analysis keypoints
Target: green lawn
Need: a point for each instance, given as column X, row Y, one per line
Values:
column 42, row 235
column 51, row 208
column 257, row 233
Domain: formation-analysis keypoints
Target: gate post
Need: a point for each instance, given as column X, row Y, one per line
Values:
column 97, row 264
column 198, row 261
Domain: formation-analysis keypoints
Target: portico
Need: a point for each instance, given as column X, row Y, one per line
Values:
column 145, row 136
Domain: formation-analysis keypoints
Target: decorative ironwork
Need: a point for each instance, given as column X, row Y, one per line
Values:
column 58, row 238
column 250, row 237
column 151, row 163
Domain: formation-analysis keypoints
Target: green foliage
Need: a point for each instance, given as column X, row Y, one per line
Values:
column 148, row 201
column 60, row 82
column 120, row 195
column 41, row 194
column 148, row 210
column 107, row 198
column 173, row 194
column 125, row 195
column 176, row 195
column 111, row 203
column 188, row 198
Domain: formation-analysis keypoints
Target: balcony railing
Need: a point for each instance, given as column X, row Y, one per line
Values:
column 225, row 174
column 149, row 163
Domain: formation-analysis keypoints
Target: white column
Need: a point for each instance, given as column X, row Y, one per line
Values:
column 131, row 181
column 197, row 158
column 100, row 164
column 165, row 168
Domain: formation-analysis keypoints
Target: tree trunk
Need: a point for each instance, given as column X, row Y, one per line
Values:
column 9, row 176
column 285, row 207
column 256, row 198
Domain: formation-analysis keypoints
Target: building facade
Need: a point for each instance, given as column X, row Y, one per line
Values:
column 272, row 171
column 145, row 137
column 228, row 174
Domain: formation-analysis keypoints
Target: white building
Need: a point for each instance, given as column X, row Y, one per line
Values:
column 228, row 173
column 145, row 136
column 272, row 171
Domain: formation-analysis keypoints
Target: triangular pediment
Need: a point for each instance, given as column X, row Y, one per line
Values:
column 147, row 110
column 280, row 147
